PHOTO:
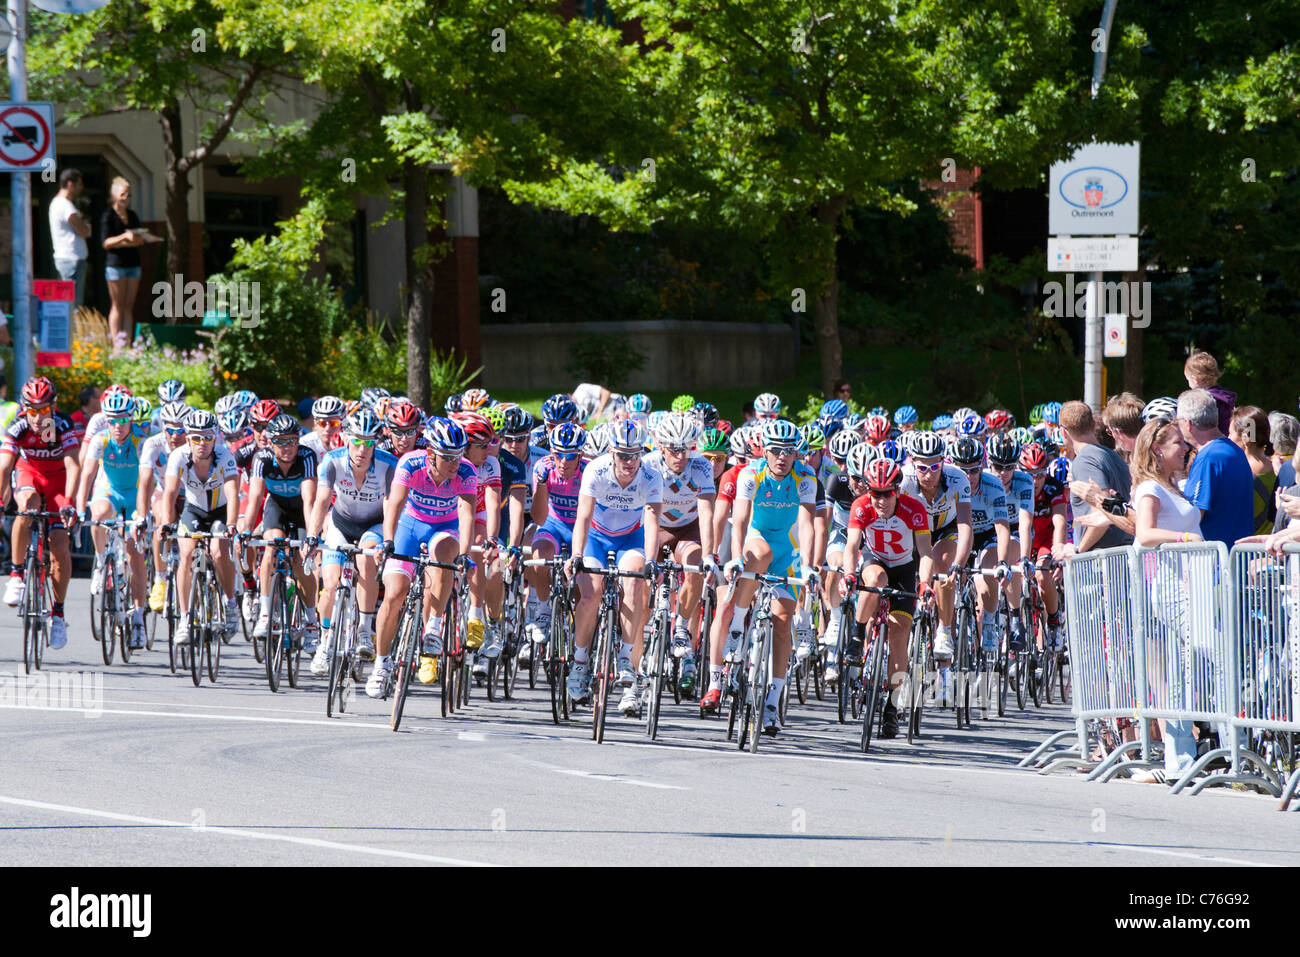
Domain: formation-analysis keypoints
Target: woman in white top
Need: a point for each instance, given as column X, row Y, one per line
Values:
column 1165, row 516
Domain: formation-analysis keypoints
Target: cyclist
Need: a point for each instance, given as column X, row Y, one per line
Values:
column 893, row 528
column 619, row 502
column 204, row 478
column 351, row 488
column 745, row 444
column 685, row 525
column 905, row 418
column 771, row 526
column 1051, row 523
column 556, row 484
column 115, row 490
column 767, row 406
column 845, row 488
column 154, row 453
column 40, row 452
column 402, row 428
column 1003, row 455
column 431, row 503
column 945, row 492
column 326, row 421
column 282, row 477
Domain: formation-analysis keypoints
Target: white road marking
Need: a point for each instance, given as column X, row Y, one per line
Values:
column 208, row 717
column 1184, row 854
column 616, row 779
column 471, row 736
column 243, row 832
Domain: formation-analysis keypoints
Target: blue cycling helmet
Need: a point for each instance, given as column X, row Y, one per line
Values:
column 905, row 415
column 941, row 422
column 171, row 390
column 568, row 437
column 233, row 421
column 1052, row 413
column 834, row 409
column 224, row 404
column 560, row 408
column 829, row 425
column 890, row 449
column 879, row 410
column 973, row 426
column 639, row 404
column 627, row 435
column 445, row 436
column 247, row 398
column 539, row 437
column 780, row 434
column 118, row 404
column 1059, row 469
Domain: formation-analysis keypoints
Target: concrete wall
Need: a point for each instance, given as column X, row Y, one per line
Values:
column 681, row 355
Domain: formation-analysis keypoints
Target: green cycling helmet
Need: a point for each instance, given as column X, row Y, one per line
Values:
column 683, row 403
column 814, row 436
column 497, row 417
column 713, row 440
column 1036, row 414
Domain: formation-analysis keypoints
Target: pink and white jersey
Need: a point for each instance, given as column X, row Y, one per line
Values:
column 489, row 474
column 619, row 508
column 563, row 501
column 429, row 501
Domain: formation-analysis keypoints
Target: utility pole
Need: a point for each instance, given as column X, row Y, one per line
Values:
column 20, row 201
column 1092, row 354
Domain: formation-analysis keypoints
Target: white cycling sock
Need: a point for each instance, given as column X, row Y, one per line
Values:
column 265, row 604
column 383, row 661
column 774, row 693
column 625, row 649
column 715, row 677
column 434, row 626
column 368, row 619
column 680, row 622
column 477, row 613
column 738, row 619
column 581, row 655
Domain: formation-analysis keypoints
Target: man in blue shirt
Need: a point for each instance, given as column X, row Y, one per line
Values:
column 1219, row 482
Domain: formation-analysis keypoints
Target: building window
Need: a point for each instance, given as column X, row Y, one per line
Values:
column 232, row 216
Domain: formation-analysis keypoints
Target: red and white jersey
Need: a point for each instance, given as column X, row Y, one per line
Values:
column 44, row 448
column 727, row 484
column 893, row 539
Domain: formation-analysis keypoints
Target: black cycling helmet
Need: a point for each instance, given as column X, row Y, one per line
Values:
column 967, row 452
column 1003, row 450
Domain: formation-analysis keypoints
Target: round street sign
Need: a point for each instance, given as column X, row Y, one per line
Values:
column 24, row 136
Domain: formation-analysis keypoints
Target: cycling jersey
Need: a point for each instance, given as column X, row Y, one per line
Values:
column 776, row 500
column 489, row 476
column 988, row 503
column 154, row 452
column 205, row 495
column 682, row 491
column 841, row 499
column 434, row 503
column 119, row 462
column 892, row 541
column 954, row 490
column 514, row 474
column 1053, row 494
column 287, row 487
column 619, row 508
column 1020, row 497
column 313, row 441
column 562, row 496
column 97, row 424
column 386, row 445
column 41, row 449
column 357, row 505
column 727, row 484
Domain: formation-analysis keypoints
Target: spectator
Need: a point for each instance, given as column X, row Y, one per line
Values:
column 592, row 399
column 1202, row 372
column 1123, row 418
column 122, row 264
column 842, row 390
column 88, row 405
column 1096, row 474
column 1220, row 482
column 1249, row 432
column 1163, row 516
column 748, row 410
column 69, row 232
column 1283, row 430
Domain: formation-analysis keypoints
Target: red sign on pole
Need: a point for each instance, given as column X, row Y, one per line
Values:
column 55, row 297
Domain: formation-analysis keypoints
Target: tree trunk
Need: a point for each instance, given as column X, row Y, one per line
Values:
column 176, row 176
column 826, row 304
column 419, row 282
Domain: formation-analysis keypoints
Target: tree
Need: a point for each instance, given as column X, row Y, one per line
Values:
column 157, row 56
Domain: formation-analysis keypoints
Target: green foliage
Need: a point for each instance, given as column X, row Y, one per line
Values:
column 144, row 364
column 812, row 408
column 282, row 353
column 374, row 354
column 448, row 376
column 605, row 359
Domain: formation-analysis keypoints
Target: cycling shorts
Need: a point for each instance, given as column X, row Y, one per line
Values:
column 984, row 540
column 339, row 531
column 198, row 520
column 683, row 534
column 902, row 577
column 838, row 539
column 947, row 533
column 413, row 532
column 555, row 532
column 599, row 546
column 48, row 484
column 122, row 500
column 785, row 558
column 287, row 518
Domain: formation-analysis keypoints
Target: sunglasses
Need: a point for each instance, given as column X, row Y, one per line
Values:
column 1038, row 475
column 446, row 458
column 1004, row 468
column 329, row 423
column 362, row 443
column 887, row 494
column 676, row 449
column 403, row 433
column 180, row 431
column 260, row 426
column 934, row 467
column 972, row 469
column 479, row 445
column 782, row 453
column 627, row 456
column 120, row 420
column 38, row 409
column 566, row 456
column 284, row 441
column 512, row 439
column 201, row 439
column 716, row 456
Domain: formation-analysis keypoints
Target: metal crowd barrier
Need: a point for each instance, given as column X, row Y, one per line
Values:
column 1187, row 634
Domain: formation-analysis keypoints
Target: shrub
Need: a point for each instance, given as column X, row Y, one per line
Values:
column 605, row 359
column 374, row 354
column 139, row 367
column 812, row 406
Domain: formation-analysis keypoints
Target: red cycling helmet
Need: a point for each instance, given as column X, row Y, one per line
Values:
column 477, row 426
column 264, row 411
column 877, row 429
column 724, row 426
column 754, row 442
column 402, row 414
column 38, row 391
column 999, row 419
column 1033, row 458
column 883, row 475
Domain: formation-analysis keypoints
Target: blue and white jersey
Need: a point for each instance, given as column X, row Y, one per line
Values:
column 1020, row 498
column 619, row 508
column 682, row 492
column 988, row 503
column 360, row 504
column 285, row 488
column 776, row 500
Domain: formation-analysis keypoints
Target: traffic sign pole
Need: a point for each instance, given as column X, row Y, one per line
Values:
column 20, row 198
column 1093, row 367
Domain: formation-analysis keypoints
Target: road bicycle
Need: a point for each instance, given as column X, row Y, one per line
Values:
column 206, row 616
column 658, row 664
column 605, row 643
column 284, row 635
column 345, row 621
column 872, row 687
column 111, row 606
column 559, row 645
column 38, row 595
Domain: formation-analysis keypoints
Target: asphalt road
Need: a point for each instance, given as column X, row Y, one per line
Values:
column 144, row 768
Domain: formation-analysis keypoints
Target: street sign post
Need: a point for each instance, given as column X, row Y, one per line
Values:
column 1116, row 338
column 26, row 136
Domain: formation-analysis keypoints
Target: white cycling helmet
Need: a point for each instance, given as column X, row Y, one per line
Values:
column 1164, row 406
column 627, row 435
column 597, row 442
column 843, row 442
column 677, row 428
column 965, row 412
column 327, row 406
column 767, row 404
column 860, row 456
column 780, row 434
column 926, row 445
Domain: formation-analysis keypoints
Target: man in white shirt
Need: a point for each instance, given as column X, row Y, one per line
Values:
column 69, row 232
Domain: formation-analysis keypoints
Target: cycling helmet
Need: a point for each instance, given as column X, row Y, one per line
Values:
column 852, row 421
column 879, row 410
column 201, row 422
column 472, row 400
column 927, row 445
column 639, row 404
column 568, row 437
column 967, row 452
column 676, row 429
column 233, row 421
column 972, row 426
column 724, row 425
column 1021, row 436
column 327, row 407
column 737, row 445
column 224, row 404
column 861, row 456
column 829, row 425
column 283, row 425
column 1165, row 406
column 362, row 424
column 445, row 436
column 890, row 449
column 452, row 404
column 247, row 398
column 1033, row 458
column 814, row 436
column 754, row 440
column 780, row 434
column 683, row 403
column 143, row 410
column 173, row 413
column 539, row 437
column 1036, row 414
column 706, row 413
column 41, row 391
column 372, row 395
column 597, row 443
column 497, row 416
column 882, row 475
column 1003, row 450
column 477, row 426
column 117, row 404
column 402, row 414
column 1049, row 445
column 517, row 422
column 767, row 406
column 560, row 408
column 963, row 413
column 627, row 435
column 171, row 390
column 264, row 411
column 834, row 408
column 842, row 443
column 713, row 440
column 906, row 415
column 877, row 429
column 1052, row 413
column 1000, row 419
column 1059, row 469
column 941, row 422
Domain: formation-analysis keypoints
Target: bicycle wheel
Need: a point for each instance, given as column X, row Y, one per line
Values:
column 758, row 690
column 196, row 649
column 276, row 632
column 655, row 682
column 409, row 644
column 1063, row 675
column 916, row 678
column 872, row 672
column 555, row 662
column 802, row 677
column 171, row 614
column 961, row 669
column 608, row 643
column 338, row 657
column 107, row 611
column 841, row 648
column 252, row 603
column 126, row 617
column 31, row 631
column 215, row 633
